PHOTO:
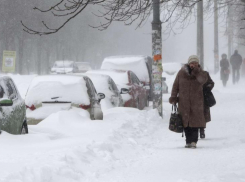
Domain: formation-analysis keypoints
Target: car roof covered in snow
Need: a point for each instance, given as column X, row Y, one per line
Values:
column 61, row 87
column 171, row 68
column 136, row 64
column 120, row 77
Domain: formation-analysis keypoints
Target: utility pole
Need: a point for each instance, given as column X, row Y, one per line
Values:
column 200, row 43
column 230, row 31
column 216, row 38
column 157, row 57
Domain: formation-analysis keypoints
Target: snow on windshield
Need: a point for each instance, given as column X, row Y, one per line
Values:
column 62, row 88
column 102, row 86
column 63, row 64
column 100, row 83
column 171, row 68
column 136, row 64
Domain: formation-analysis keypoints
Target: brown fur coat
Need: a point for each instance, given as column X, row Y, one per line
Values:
column 188, row 92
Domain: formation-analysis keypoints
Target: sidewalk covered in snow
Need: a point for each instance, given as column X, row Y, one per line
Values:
column 128, row 145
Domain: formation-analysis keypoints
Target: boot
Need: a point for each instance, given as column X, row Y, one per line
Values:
column 188, row 145
column 202, row 133
column 193, row 145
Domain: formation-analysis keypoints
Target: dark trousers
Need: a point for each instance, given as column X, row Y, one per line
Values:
column 202, row 130
column 191, row 134
column 235, row 75
column 224, row 82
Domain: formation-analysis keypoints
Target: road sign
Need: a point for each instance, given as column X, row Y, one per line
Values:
column 9, row 61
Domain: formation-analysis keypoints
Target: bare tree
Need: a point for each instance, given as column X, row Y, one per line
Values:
column 127, row 11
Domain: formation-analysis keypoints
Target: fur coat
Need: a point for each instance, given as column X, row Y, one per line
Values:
column 188, row 92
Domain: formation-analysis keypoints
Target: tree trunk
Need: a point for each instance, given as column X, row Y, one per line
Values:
column 216, row 38
column 21, row 53
column 230, row 31
column 39, row 56
column 200, row 43
column 47, row 68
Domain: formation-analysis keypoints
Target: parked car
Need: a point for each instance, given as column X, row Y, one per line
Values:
column 132, row 90
column 12, row 108
column 140, row 65
column 52, row 93
column 83, row 67
column 171, row 68
column 63, row 67
column 104, row 84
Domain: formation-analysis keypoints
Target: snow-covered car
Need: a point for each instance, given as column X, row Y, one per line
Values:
column 131, row 89
column 83, row 67
column 63, row 67
column 104, row 84
column 171, row 68
column 140, row 65
column 12, row 108
column 52, row 93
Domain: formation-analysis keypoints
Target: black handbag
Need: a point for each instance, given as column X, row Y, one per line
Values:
column 209, row 99
column 175, row 123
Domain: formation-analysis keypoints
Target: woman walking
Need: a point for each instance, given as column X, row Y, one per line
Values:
column 187, row 91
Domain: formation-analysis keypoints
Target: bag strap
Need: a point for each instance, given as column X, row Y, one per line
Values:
column 175, row 108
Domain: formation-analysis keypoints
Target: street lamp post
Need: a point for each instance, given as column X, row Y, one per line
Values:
column 157, row 57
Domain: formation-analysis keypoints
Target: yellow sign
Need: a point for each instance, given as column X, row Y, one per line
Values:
column 9, row 61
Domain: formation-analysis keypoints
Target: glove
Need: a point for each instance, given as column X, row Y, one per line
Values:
column 195, row 71
column 173, row 100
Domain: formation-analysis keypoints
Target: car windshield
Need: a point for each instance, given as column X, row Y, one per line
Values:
column 63, row 64
column 83, row 66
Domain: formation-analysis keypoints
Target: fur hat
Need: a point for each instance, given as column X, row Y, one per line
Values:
column 193, row 58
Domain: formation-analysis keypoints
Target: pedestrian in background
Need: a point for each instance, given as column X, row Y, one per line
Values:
column 236, row 61
column 187, row 91
column 224, row 69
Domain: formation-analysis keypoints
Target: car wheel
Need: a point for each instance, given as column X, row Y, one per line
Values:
column 24, row 129
column 92, row 114
column 137, row 104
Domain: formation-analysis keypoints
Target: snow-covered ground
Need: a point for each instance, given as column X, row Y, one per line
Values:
column 128, row 145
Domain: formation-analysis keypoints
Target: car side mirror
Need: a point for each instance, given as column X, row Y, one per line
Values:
column 6, row 102
column 163, row 78
column 147, row 87
column 101, row 96
column 142, row 84
column 124, row 91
